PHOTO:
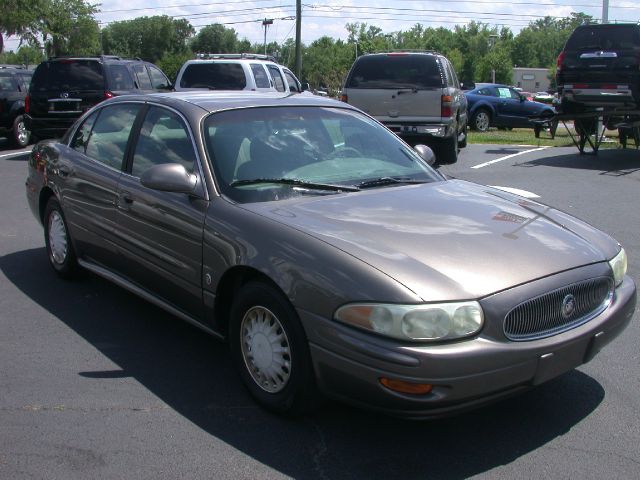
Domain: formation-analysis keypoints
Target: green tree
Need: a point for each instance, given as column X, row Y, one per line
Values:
column 150, row 38
column 26, row 55
column 21, row 18
column 171, row 63
column 215, row 39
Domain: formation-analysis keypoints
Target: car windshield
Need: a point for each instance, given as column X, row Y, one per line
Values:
column 396, row 71
column 68, row 75
column 214, row 76
column 273, row 153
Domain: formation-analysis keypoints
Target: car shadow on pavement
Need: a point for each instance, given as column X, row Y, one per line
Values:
column 192, row 373
column 612, row 162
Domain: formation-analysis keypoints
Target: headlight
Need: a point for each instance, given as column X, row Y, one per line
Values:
column 429, row 322
column 619, row 266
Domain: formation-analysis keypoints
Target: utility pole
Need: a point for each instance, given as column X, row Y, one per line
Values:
column 265, row 23
column 605, row 11
column 298, row 40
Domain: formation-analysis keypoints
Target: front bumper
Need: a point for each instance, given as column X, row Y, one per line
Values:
column 466, row 374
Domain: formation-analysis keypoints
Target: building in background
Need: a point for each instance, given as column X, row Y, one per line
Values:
column 531, row 79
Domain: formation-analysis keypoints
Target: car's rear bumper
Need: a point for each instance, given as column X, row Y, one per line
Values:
column 43, row 127
column 598, row 96
column 466, row 374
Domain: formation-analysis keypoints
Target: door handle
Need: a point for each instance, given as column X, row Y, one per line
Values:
column 124, row 201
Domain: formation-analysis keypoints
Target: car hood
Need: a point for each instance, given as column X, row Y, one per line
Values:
column 447, row 240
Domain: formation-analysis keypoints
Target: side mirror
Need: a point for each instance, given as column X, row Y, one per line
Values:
column 426, row 154
column 169, row 177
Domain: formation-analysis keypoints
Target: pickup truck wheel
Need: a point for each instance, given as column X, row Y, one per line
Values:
column 481, row 120
column 447, row 151
column 21, row 135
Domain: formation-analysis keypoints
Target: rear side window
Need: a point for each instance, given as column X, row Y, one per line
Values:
column 64, row 75
column 391, row 71
column 217, row 76
column 142, row 76
column 260, row 75
column 604, row 38
column 278, row 82
column 120, row 78
column 293, row 84
column 110, row 134
column 158, row 79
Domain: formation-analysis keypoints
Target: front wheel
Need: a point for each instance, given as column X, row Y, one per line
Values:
column 481, row 120
column 270, row 350
column 62, row 257
column 21, row 135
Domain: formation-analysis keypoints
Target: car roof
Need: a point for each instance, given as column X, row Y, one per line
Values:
column 225, row 100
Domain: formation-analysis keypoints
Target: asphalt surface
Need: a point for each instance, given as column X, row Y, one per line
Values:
column 95, row 383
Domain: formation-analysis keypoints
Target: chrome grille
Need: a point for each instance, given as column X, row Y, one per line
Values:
column 544, row 316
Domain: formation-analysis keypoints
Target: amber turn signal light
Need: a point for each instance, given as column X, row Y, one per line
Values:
column 406, row 387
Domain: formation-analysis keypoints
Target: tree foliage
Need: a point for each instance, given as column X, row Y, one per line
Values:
column 215, row 39
column 149, row 38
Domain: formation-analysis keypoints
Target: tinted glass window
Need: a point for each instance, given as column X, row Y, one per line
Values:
column 26, row 79
column 260, row 75
column 81, row 138
column 249, row 147
column 391, row 71
column 613, row 37
column 293, row 84
column 217, row 76
column 108, row 140
column 163, row 139
column 66, row 75
column 159, row 80
column 6, row 84
column 120, row 78
column 142, row 76
column 278, row 82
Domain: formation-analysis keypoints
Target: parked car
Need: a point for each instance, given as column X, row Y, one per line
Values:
column 600, row 67
column 496, row 105
column 14, row 83
column 63, row 88
column 326, row 251
column 544, row 97
column 237, row 71
column 416, row 95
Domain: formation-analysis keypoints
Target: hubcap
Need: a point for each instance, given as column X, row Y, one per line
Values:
column 265, row 349
column 23, row 134
column 482, row 121
column 57, row 238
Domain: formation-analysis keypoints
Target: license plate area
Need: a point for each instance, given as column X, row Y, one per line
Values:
column 64, row 105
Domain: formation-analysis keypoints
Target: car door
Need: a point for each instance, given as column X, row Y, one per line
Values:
column 89, row 173
column 160, row 233
column 511, row 108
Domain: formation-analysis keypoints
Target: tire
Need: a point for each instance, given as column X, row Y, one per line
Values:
column 463, row 143
column 20, row 135
column 276, row 368
column 62, row 256
column 481, row 120
column 447, row 151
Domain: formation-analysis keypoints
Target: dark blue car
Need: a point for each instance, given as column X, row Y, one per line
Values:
column 496, row 105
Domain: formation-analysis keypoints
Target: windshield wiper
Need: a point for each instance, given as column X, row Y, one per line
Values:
column 379, row 182
column 298, row 183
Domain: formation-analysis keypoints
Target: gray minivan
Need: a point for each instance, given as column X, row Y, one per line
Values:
column 415, row 94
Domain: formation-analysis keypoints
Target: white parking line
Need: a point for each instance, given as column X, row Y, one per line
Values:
column 14, row 153
column 508, row 157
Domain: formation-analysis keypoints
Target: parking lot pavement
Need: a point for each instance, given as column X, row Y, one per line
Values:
column 96, row 383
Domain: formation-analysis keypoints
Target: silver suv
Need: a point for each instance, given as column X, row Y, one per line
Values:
column 236, row 71
column 415, row 94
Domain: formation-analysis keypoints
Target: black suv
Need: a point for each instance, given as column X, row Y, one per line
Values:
column 63, row 88
column 600, row 67
column 14, row 84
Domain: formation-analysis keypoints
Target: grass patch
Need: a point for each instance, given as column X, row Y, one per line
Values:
column 525, row 136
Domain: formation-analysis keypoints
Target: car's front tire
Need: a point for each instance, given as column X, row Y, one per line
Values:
column 21, row 135
column 270, row 350
column 62, row 256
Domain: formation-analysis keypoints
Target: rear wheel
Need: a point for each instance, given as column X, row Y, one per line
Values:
column 21, row 135
column 481, row 120
column 447, row 151
column 62, row 257
column 271, row 351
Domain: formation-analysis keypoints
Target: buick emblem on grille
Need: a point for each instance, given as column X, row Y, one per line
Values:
column 568, row 306
column 64, row 95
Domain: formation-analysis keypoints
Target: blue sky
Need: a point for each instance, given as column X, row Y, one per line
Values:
column 328, row 17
